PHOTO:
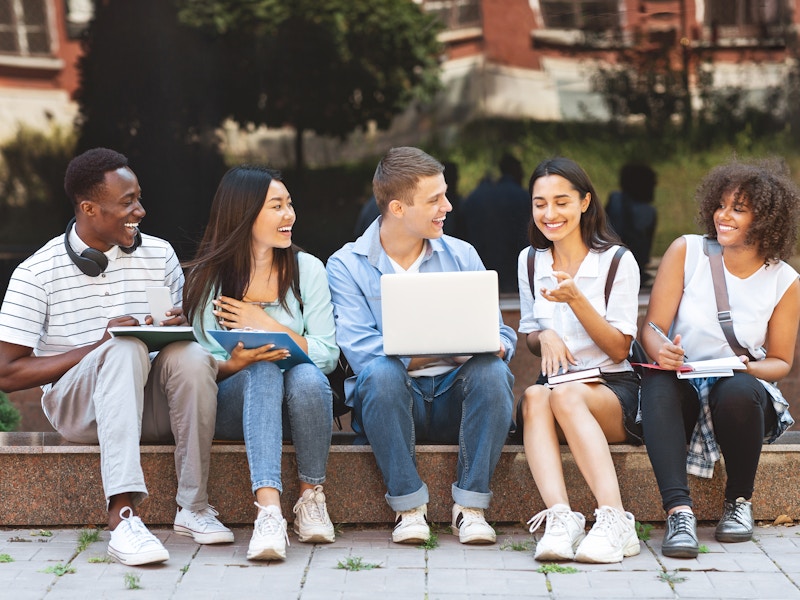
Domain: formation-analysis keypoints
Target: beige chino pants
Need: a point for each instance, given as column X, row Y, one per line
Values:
column 116, row 397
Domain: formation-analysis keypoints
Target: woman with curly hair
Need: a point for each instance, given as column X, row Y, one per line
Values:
column 751, row 210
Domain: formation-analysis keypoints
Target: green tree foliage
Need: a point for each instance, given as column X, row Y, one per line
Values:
column 33, row 207
column 328, row 66
column 150, row 89
column 9, row 415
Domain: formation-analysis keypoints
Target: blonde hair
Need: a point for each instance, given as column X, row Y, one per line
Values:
column 399, row 172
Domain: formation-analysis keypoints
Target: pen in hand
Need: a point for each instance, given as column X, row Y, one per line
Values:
column 664, row 337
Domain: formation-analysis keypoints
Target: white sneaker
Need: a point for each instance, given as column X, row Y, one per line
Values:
column 612, row 537
column 470, row 526
column 202, row 525
column 269, row 535
column 411, row 526
column 132, row 544
column 311, row 521
column 563, row 532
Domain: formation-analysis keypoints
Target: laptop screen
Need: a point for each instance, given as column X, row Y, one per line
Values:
column 429, row 314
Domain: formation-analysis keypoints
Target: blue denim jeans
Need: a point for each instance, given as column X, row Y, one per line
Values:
column 470, row 406
column 261, row 405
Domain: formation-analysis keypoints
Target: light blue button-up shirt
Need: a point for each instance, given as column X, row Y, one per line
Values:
column 354, row 276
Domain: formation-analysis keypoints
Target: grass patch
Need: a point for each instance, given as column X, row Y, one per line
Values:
column 556, row 568
column 184, row 569
column 671, row 578
column 6, row 558
column 431, row 543
column 702, row 549
column 132, row 581
column 87, row 537
column 59, row 569
column 100, row 559
column 356, row 563
column 643, row 530
column 518, row 546
column 42, row 533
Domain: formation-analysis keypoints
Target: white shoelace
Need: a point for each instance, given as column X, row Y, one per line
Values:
column 207, row 516
column 471, row 515
column 314, row 509
column 136, row 533
column 609, row 521
column 411, row 517
column 270, row 523
column 555, row 518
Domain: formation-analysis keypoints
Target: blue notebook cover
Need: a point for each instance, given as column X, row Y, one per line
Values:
column 255, row 339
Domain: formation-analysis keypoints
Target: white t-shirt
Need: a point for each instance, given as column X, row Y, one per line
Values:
column 752, row 302
column 52, row 307
column 623, row 304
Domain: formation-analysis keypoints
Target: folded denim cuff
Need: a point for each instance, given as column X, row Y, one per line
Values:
column 409, row 501
column 471, row 499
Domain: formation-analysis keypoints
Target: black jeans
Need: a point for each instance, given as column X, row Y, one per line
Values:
column 741, row 411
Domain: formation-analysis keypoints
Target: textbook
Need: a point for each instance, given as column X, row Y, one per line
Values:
column 714, row 367
column 154, row 336
column 254, row 338
column 583, row 376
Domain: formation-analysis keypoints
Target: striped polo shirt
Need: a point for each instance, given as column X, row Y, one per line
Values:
column 52, row 307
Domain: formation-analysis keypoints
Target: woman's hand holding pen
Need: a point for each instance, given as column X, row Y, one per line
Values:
column 671, row 355
column 236, row 314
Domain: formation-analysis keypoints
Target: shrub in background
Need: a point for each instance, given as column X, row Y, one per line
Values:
column 9, row 415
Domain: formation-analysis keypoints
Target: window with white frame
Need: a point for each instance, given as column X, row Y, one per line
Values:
column 747, row 18
column 455, row 14
column 24, row 28
column 586, row 15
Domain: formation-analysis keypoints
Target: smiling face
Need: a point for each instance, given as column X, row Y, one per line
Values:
column 273, row 225
column 424, row 218
column 557, row 208
column 732, row 221
column 112, row 215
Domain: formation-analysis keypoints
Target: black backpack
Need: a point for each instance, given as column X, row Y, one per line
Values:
column 342, row 371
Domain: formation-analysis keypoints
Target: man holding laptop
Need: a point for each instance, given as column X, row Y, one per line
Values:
column 54, row 332
column 445, row 394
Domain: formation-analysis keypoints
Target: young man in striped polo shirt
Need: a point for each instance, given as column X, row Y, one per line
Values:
column 54, row 325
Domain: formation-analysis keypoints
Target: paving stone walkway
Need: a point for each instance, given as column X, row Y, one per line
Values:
column 767, row 568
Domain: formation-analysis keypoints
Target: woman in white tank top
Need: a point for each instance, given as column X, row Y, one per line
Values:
column 752, row 211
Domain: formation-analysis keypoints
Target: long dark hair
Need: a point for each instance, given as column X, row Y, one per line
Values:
column 596, row 233
column 224, row 258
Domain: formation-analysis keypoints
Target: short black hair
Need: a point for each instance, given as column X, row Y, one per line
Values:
column 87, row 171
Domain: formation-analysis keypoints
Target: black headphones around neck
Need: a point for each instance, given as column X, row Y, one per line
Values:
column 93, row 262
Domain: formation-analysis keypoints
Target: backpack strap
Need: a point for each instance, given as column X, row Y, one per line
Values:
column 713, row 250
column 612, row 270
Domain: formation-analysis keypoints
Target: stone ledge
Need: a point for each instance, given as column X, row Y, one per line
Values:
column 49, row 482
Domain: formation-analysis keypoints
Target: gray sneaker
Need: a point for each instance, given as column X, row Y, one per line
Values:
column 680, row 538
column 736, row 524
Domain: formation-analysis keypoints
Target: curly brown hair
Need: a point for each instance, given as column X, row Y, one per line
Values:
column 766, row 188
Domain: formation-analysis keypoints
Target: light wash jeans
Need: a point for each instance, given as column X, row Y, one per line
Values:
column 470, row 406
column 254, row 404
column 116, row 397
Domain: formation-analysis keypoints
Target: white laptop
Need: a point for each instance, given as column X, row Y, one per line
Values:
column 428, row 314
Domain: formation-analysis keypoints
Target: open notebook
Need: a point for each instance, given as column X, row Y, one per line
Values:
column 429, row 314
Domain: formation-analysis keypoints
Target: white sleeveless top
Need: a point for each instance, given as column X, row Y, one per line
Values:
column 752, row 302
